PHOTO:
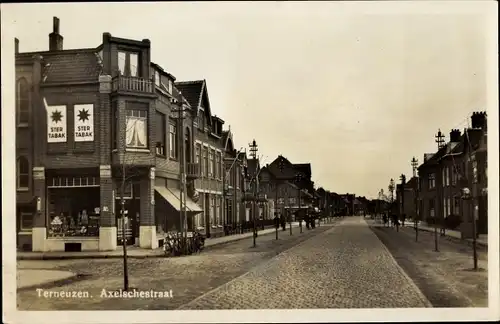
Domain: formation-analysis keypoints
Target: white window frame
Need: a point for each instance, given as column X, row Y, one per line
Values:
column 137, row 115
column 172, row 140
column 157, row 78
column 211, row 163
column 169, row 86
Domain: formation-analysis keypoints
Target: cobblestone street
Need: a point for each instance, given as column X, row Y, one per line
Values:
column 345, row 267
column 445, row 277
column 188, row 277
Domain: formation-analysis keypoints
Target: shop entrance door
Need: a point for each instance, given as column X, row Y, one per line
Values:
column 129, row 220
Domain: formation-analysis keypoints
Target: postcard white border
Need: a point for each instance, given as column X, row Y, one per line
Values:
column 11, row 315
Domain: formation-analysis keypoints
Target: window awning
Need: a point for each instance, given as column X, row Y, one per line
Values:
column 172, row 196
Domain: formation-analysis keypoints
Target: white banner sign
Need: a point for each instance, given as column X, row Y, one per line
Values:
column 84, row 123
column 56, row 124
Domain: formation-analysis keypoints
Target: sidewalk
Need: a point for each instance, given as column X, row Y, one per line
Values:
column 30, row 278
column 133, row 251
column 451, row 234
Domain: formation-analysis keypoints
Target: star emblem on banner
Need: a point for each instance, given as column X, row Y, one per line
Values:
column 83, row 115
column 56, row 116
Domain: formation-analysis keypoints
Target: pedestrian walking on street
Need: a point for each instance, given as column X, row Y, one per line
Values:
column 276, row 220
column 403, row 218
column 395, row 221
column 283, row 222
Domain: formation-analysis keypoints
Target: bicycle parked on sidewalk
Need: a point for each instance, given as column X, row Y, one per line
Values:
column 176, row 245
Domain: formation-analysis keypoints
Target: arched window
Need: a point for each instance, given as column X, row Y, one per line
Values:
column 22, row 100
column 23, row 173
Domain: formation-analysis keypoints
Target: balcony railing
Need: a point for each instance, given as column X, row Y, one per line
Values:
column 132, row 84
column 193, row 170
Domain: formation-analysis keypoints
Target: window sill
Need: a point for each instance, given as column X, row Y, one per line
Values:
column 23, row 189
column 23, row 125
column 173, row 159
column 137, row 150
column 161, row 156
column 25, row 232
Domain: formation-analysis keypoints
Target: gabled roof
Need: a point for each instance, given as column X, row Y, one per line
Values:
column 71, row 66
column 192, row 91
column 288, row 172
column 197, row 95
column 226, row 138
column 304, row 168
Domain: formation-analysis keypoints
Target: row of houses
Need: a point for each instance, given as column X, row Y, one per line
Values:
column 103, row 132
column 450, row 187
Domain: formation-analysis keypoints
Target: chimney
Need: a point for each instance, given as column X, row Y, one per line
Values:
column 455, row 135
column 478, row 120
column 16, row 46
column 55, row 39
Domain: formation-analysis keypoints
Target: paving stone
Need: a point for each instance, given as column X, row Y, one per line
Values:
column 344, row 267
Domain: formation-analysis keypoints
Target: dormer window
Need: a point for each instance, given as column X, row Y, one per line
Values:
column 157, row 78
column 128, row 63
column 200, row 119
column 169, row 86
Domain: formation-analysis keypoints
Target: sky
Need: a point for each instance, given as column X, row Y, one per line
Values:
column 356, row 89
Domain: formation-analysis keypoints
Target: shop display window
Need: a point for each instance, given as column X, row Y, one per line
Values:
column 73, row 212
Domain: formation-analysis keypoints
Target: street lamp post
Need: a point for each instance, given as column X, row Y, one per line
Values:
column 391, row 189
column 298, row 179
column 281, row 166
column 414, row 164
column 439, row 175
column 225, row 185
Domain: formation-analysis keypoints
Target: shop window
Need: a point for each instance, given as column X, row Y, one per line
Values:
column 22, row 102
column 161, row 134
column 23, row 173
column 26, row 221
column 172, row 136
column 73, row 212
column 137, row 128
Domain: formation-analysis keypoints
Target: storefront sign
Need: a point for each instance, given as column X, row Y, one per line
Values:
column 84, row 123
column 56, row 124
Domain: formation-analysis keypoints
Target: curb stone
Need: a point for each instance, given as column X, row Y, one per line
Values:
column 160, row 254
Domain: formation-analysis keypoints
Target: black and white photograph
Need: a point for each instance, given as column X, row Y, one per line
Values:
column 237, row 162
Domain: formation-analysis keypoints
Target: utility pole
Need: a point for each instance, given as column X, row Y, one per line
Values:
column 391, row 189
column 414, row 164
column 403, row 185
column 124, row 238
column 473, row 199
column 182, row 172
column 439, row 175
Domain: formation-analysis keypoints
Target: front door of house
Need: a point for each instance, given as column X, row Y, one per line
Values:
column 208, row 225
